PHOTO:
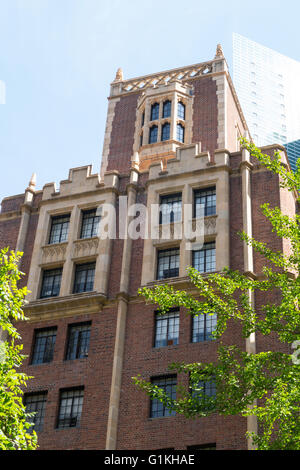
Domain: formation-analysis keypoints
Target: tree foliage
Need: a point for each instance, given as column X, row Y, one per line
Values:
column 14, row 421
column 264, row 384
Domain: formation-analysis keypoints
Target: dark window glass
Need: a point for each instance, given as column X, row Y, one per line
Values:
column 154, row 112
column 181, row 110
column 35, row 403
column 165, row 131
column 202, row 447
column 59, row 229
column 203, row 326
column 167, row 109
column 168, row 263
column 168, row 384
column 180, row 133
column 78, row 341
column 44, row 342
column 205, row 202
column 141, row 139
column 170, row 208
column 70, row 408
column 204, row 260
column 90, row 223
column 153, row 134
column 84, row 277
column 51, row 283
column 166, row 329
column 143, row 119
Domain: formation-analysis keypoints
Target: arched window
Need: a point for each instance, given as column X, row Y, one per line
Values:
column 167, row 109
column 165, row 131
column 153, row 134
column 180, row 132
column 154, row 112
column 181, row 110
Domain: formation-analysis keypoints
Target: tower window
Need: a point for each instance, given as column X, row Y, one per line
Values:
column 84, row 278
column 51, row 283
column 167, row 109
column 154, row 112
column 153, row 134
column 165, row 132
column 59, row 229
column 181, row 110
column 180, row 133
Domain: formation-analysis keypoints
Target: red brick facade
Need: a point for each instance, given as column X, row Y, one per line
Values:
column 135, row 428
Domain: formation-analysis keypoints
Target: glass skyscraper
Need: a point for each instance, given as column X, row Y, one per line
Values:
column 267, row 84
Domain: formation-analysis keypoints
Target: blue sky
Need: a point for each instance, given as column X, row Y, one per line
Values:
column 58, row 57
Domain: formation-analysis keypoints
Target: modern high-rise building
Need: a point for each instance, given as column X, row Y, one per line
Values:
column 267, row 84
column 171, row 140
column 293, row 151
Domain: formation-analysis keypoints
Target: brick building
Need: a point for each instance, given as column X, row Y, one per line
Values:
column 170, row 137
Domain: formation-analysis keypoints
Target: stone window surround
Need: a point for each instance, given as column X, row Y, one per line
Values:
column 187, row 189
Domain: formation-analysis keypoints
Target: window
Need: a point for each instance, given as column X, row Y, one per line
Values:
column 141, row 140
column 167, row 109
column 204, row 393
column 35, row 403
column 165, row 131
column 90, row 223
column 168, row 263
column 51, row 283
column 180, row 133
column 204, row 260
column 181, row 110
column 166, row 329
column 70, row 408
column 59, row 229
column 170, row 208
column 44, row 342
column 143, row 119
column 168, row 384
column 153, row 134
column 204, row 202
column 84, row 278
column 154, row 112
column 78, row 341
column 202, row 327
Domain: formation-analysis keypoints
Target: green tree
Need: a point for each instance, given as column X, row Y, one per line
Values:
column 14, row 421
column 263, row 384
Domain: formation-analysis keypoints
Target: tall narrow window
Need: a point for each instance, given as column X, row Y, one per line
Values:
column 143, row 119
column 70, row 408
column 180, row 133
column 167, row 109
column 165, row 131
column 59, row 229
column 168, row 385
column 170, row 208
column 153, row 134
column 168, row 263
column 204, row 260
column 166, row 329
column 51, row 283
column 84, row 277
column 43, row 348
column 203, row 326
column 78, row 341
column 181, row 110
column 154, row 112
column 35, row 403
column 204, row 202
column 90, row 223
column 141, row 140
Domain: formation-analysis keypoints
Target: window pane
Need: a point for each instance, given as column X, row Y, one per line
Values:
column 70, row 408
column 181, row 110
column 90, row 224
column 35, row 403
column 51, row 283
column 203, row 326
column 59, row 229
column 170, row 208
column 166, row 329
column 78, row 341
column 168, row 384
column 167, row 109
column 180, row 133
column 84, row 278
column 44, row 343
column 205, row 202
column 153, row 134
column 154, row 112
column 168, row 263
column 165, row 133
column 204, row 260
